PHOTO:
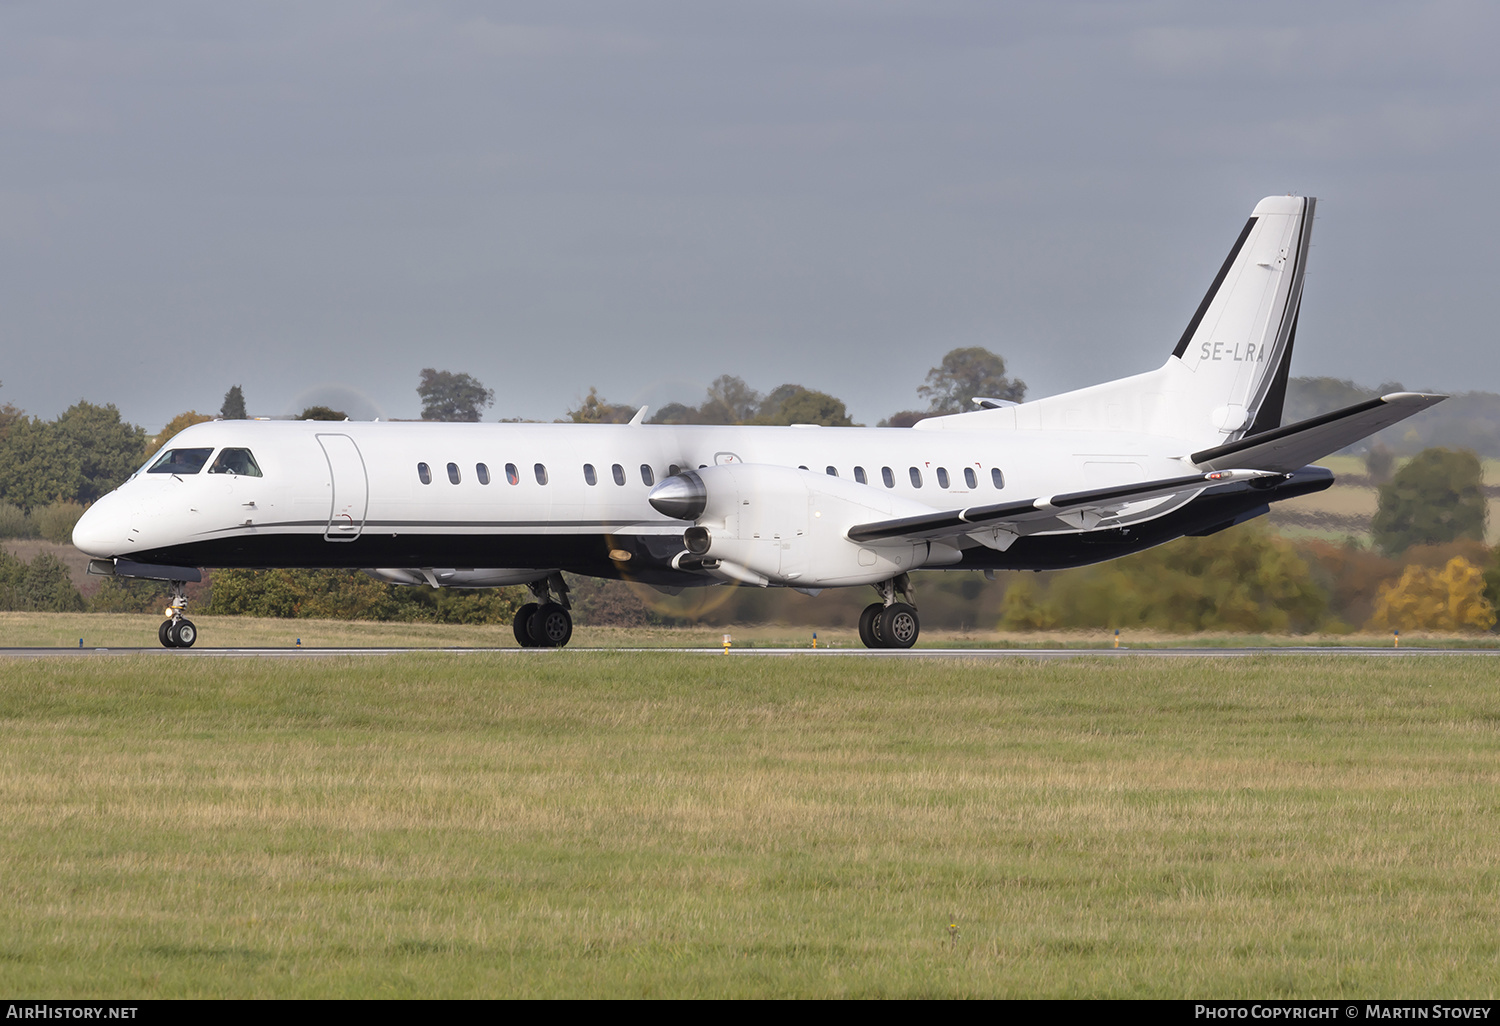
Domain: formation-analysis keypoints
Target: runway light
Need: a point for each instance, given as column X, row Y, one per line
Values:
column 726, row 644
column 299, row 642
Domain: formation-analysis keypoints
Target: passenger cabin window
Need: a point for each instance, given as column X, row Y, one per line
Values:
column 648, row 478
column 589, row 477
column 482, row 472
column 673, row 470
column 801, row 468
column 453, row 474
column 942, row 477
column 969, row 478
column 424, row 473
column 997, row 477
column 859, row 475
column 888, row 477
column 619, row 474
column 833, row 471
column 238, row 462
column 512, row 475
column 916, row 478
column 181, row 461
column 541, row 474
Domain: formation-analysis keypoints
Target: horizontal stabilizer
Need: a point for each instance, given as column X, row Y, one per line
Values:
column 1286, row 449
column 978, row 518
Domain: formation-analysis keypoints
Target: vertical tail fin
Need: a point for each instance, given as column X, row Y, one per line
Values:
column 1236, row 352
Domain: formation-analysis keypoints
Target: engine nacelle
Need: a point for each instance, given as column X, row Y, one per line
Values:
column 781, row 525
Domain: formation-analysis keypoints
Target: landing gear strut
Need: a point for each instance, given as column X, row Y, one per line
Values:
column 889, row 623
column 177, row 631
column 545, row 623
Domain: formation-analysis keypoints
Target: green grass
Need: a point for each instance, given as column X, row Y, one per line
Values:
column 687, row 825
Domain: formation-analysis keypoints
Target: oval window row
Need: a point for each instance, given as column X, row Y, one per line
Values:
column 888, row 476
column 513, row 475
column 648, row 476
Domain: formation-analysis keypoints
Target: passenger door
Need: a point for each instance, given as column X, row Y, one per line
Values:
column 348, row 488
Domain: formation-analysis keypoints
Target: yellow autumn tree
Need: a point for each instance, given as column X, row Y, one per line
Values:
column 1450, row 599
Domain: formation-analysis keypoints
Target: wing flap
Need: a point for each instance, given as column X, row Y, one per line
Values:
column 982, row 518
column 1290, row 448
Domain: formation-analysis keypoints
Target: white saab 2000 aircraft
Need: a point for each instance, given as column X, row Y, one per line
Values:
column 1191, row 448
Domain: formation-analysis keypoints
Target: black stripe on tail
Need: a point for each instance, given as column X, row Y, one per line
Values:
column 1213, row 290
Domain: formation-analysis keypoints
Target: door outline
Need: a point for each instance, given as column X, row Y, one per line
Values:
column 343, row 523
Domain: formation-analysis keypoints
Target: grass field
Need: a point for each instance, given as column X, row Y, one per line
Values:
column 689, row 825
column 128, row 630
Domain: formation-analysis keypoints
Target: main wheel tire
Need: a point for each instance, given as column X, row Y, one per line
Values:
column 163, row 632
column 522, row 625
column 869, row 623
column 185, row 633
column 551, row 626
column 899, row 626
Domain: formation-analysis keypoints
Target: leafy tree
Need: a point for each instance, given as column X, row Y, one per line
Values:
column 964, row 374
column 1379, row 463
column 14, row 523
column 1452, row 599
column 595, row 410
column 55, row 521
column 9, row 414
column 43, row 585
column 322, row 413
column 793, row 404
column 1436, row 497
column 234, row 404
column 12, row 577
column 904, row 419
column 730, row 401
column 349, row 595
column 674, row 413
column 1492, row 580
column 1245, row 579
column 175, row 426
column 109, row 450
column 128, row 595
column 39, row 463
column 448, row 396
column 49, row 586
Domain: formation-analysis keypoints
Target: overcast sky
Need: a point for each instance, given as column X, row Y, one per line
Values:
column 315, row 201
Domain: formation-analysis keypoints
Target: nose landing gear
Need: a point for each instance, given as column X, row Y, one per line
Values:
column 889, row 623
column 177, row 631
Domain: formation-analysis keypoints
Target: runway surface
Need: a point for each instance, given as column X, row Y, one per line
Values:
column 820, row 653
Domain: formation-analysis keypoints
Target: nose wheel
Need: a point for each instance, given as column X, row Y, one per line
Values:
column 177, row 631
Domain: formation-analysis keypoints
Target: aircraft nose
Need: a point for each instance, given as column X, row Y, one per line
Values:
column 102, row 529
column 682, row 496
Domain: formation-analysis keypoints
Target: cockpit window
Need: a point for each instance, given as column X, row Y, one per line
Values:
column 180, row 461
column 239, row 462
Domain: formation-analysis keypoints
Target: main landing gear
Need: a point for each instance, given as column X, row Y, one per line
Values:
column 177, row 631
column 545, row 623
column 889, row 623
